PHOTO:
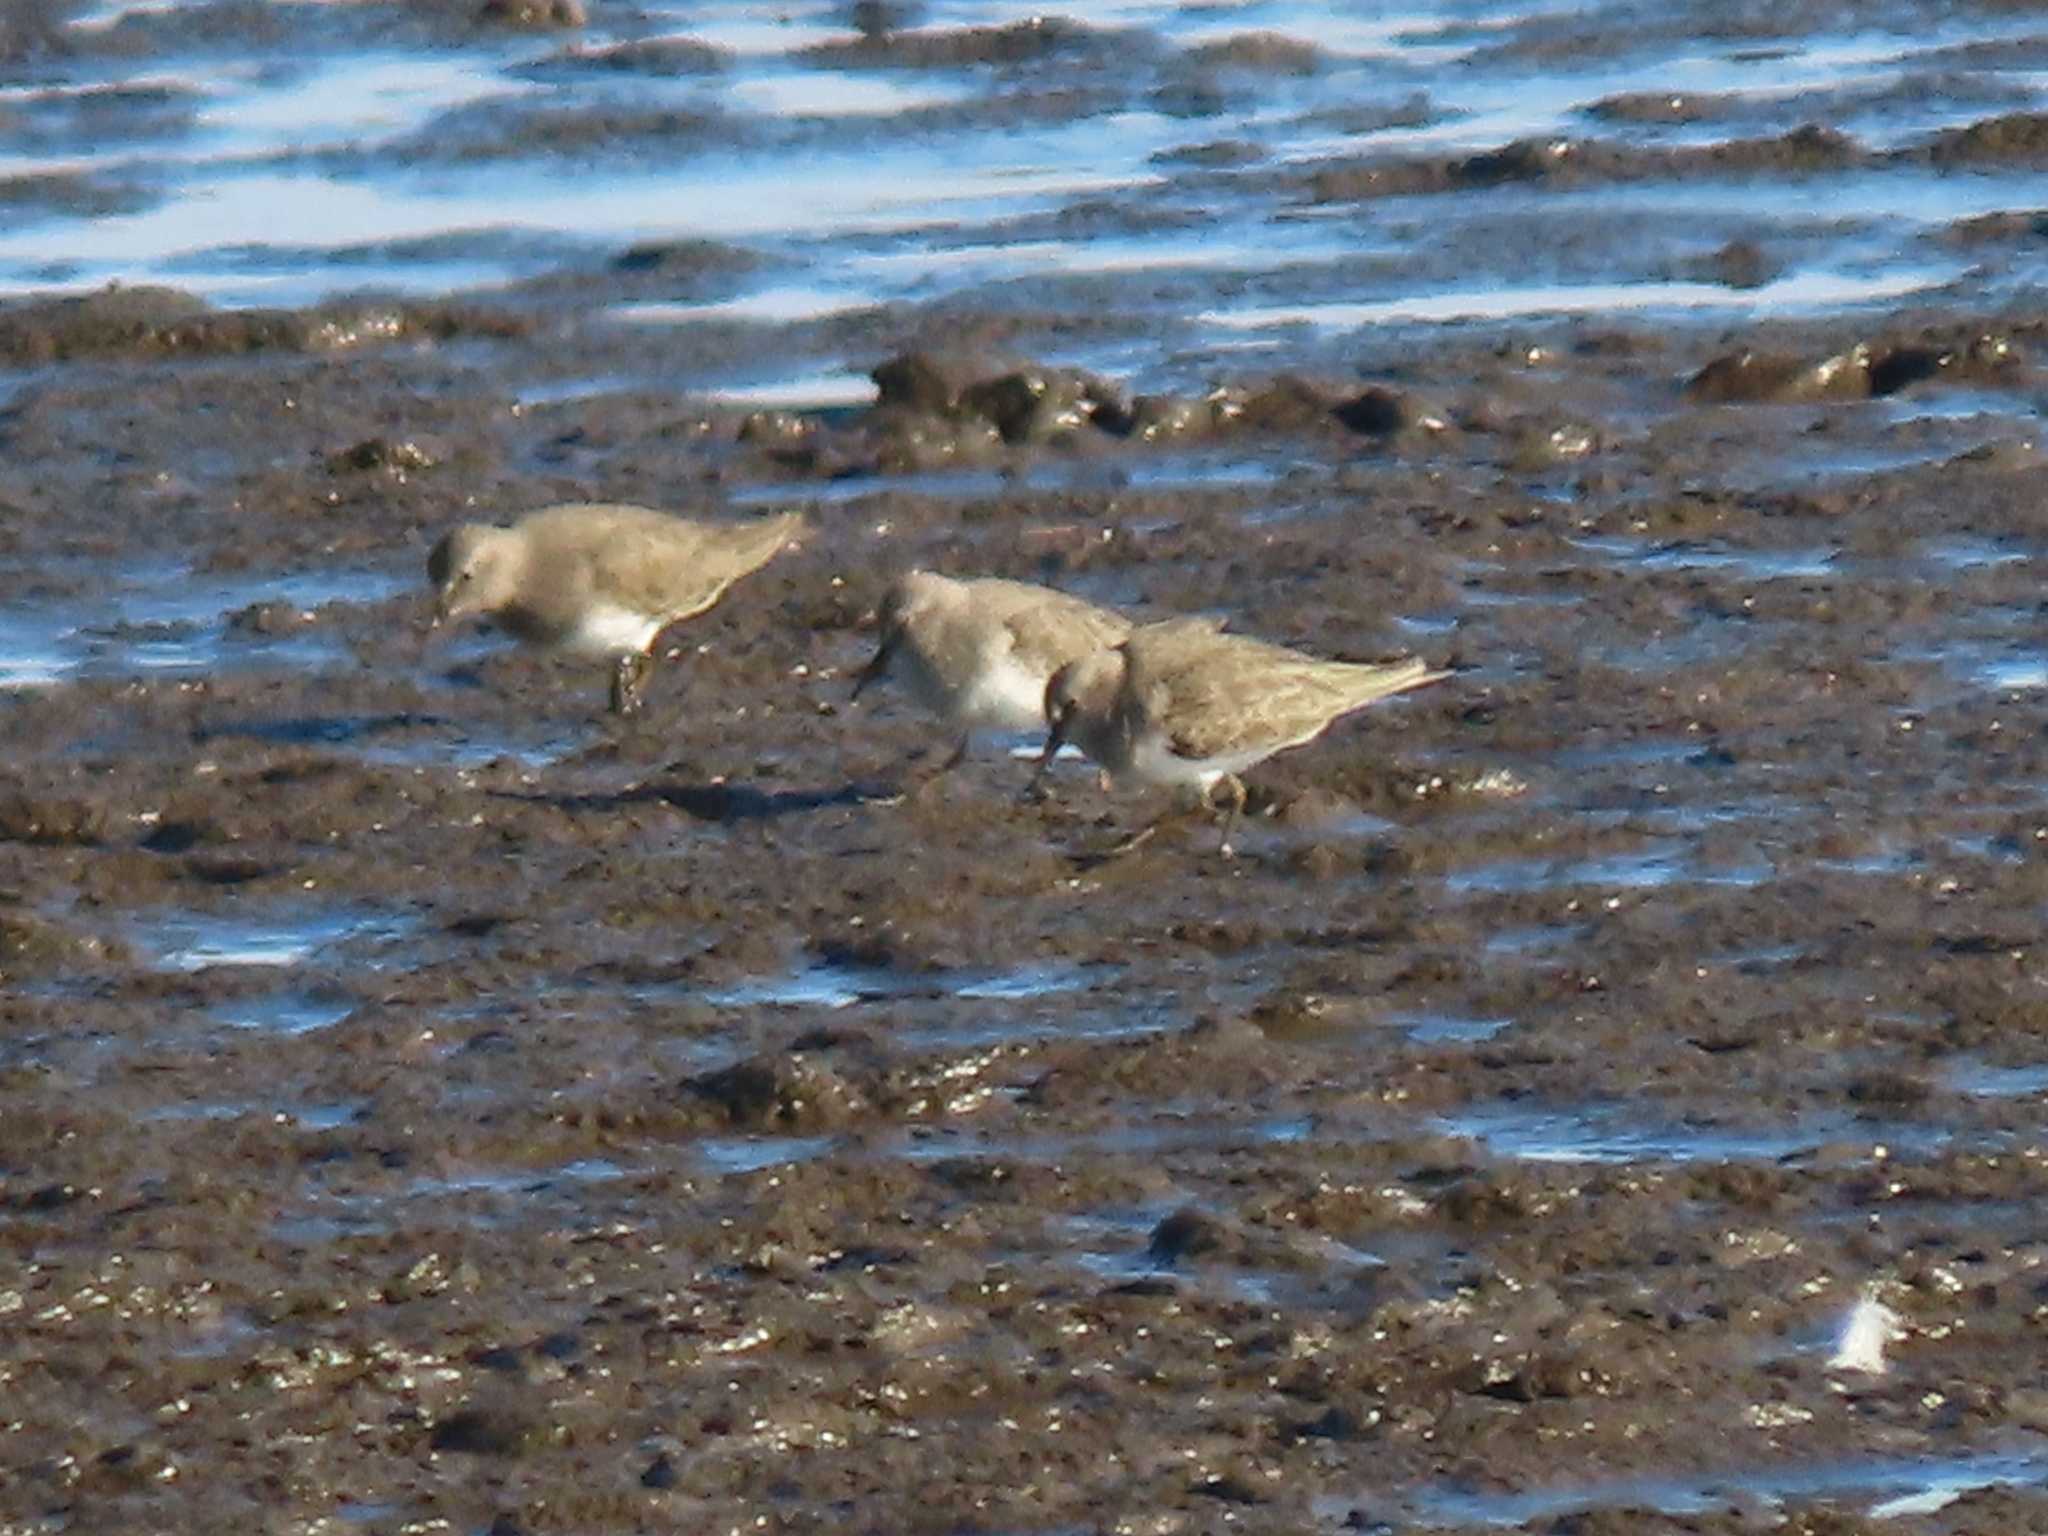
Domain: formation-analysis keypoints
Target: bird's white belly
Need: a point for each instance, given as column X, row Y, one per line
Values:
column 1156, row 763
column 1003, row 696
column 996, row 694
column 606, row 629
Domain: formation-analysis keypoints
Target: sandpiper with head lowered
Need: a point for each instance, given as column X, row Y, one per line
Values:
column 592, row 579
column 979, row 653
column 1183, row 704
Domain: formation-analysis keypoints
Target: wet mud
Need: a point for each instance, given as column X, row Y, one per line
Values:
column 430, row 1104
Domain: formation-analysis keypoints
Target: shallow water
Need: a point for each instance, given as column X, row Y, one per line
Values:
column 1883, row 1490
column 267, row 939
column 165, row 620
column 331, row 152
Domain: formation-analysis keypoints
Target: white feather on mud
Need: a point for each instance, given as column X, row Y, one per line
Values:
column 1867, row 1330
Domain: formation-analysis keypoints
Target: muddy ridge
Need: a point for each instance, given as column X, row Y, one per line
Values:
column 1604, row 1093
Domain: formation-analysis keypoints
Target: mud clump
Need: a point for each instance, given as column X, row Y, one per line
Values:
column 1739, row 264
column 780, row 1093
column 1188, row 1234
column 74, row 193
column 533, row 15
column 405, row 456
column 1167, row 418
column 1038, row 40
column 33, row 946
column 1751, row 377
column 502, row 1430
column 1655, row 107
column 27, row 817
column 1863, row 371
column 660, row 56
column 160, row 322
column 1381, row 411
column 1266, row 52
column 2021, row 136
column 1576, row 162
column 933, row 382
column 1023, row 403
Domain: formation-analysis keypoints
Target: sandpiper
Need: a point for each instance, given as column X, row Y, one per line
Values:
column 1181, row 703
column 979, row 653
column 592, row 579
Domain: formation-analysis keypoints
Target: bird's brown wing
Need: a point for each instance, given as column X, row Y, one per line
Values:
column 1053, row 629
column 1228, row 694
column 677, row 568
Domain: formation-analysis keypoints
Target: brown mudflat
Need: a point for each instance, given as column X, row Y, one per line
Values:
column 426, row 1105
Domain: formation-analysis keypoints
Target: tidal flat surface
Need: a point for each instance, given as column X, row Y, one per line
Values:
column 428, row 1104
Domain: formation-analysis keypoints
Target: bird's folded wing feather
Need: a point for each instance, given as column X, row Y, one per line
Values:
column 680, row 569
column 1221, row 710
column 1236, row 694
column 1052, row 634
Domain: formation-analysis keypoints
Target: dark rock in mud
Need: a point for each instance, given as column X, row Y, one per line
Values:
column 1187, row 1234
column 403, row 456
column 494, row 1429
column 1033, row 404
column 779, row 1092
column 1381, row 411
column 934, row 381
column 1025, row 402
column 935, row 408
